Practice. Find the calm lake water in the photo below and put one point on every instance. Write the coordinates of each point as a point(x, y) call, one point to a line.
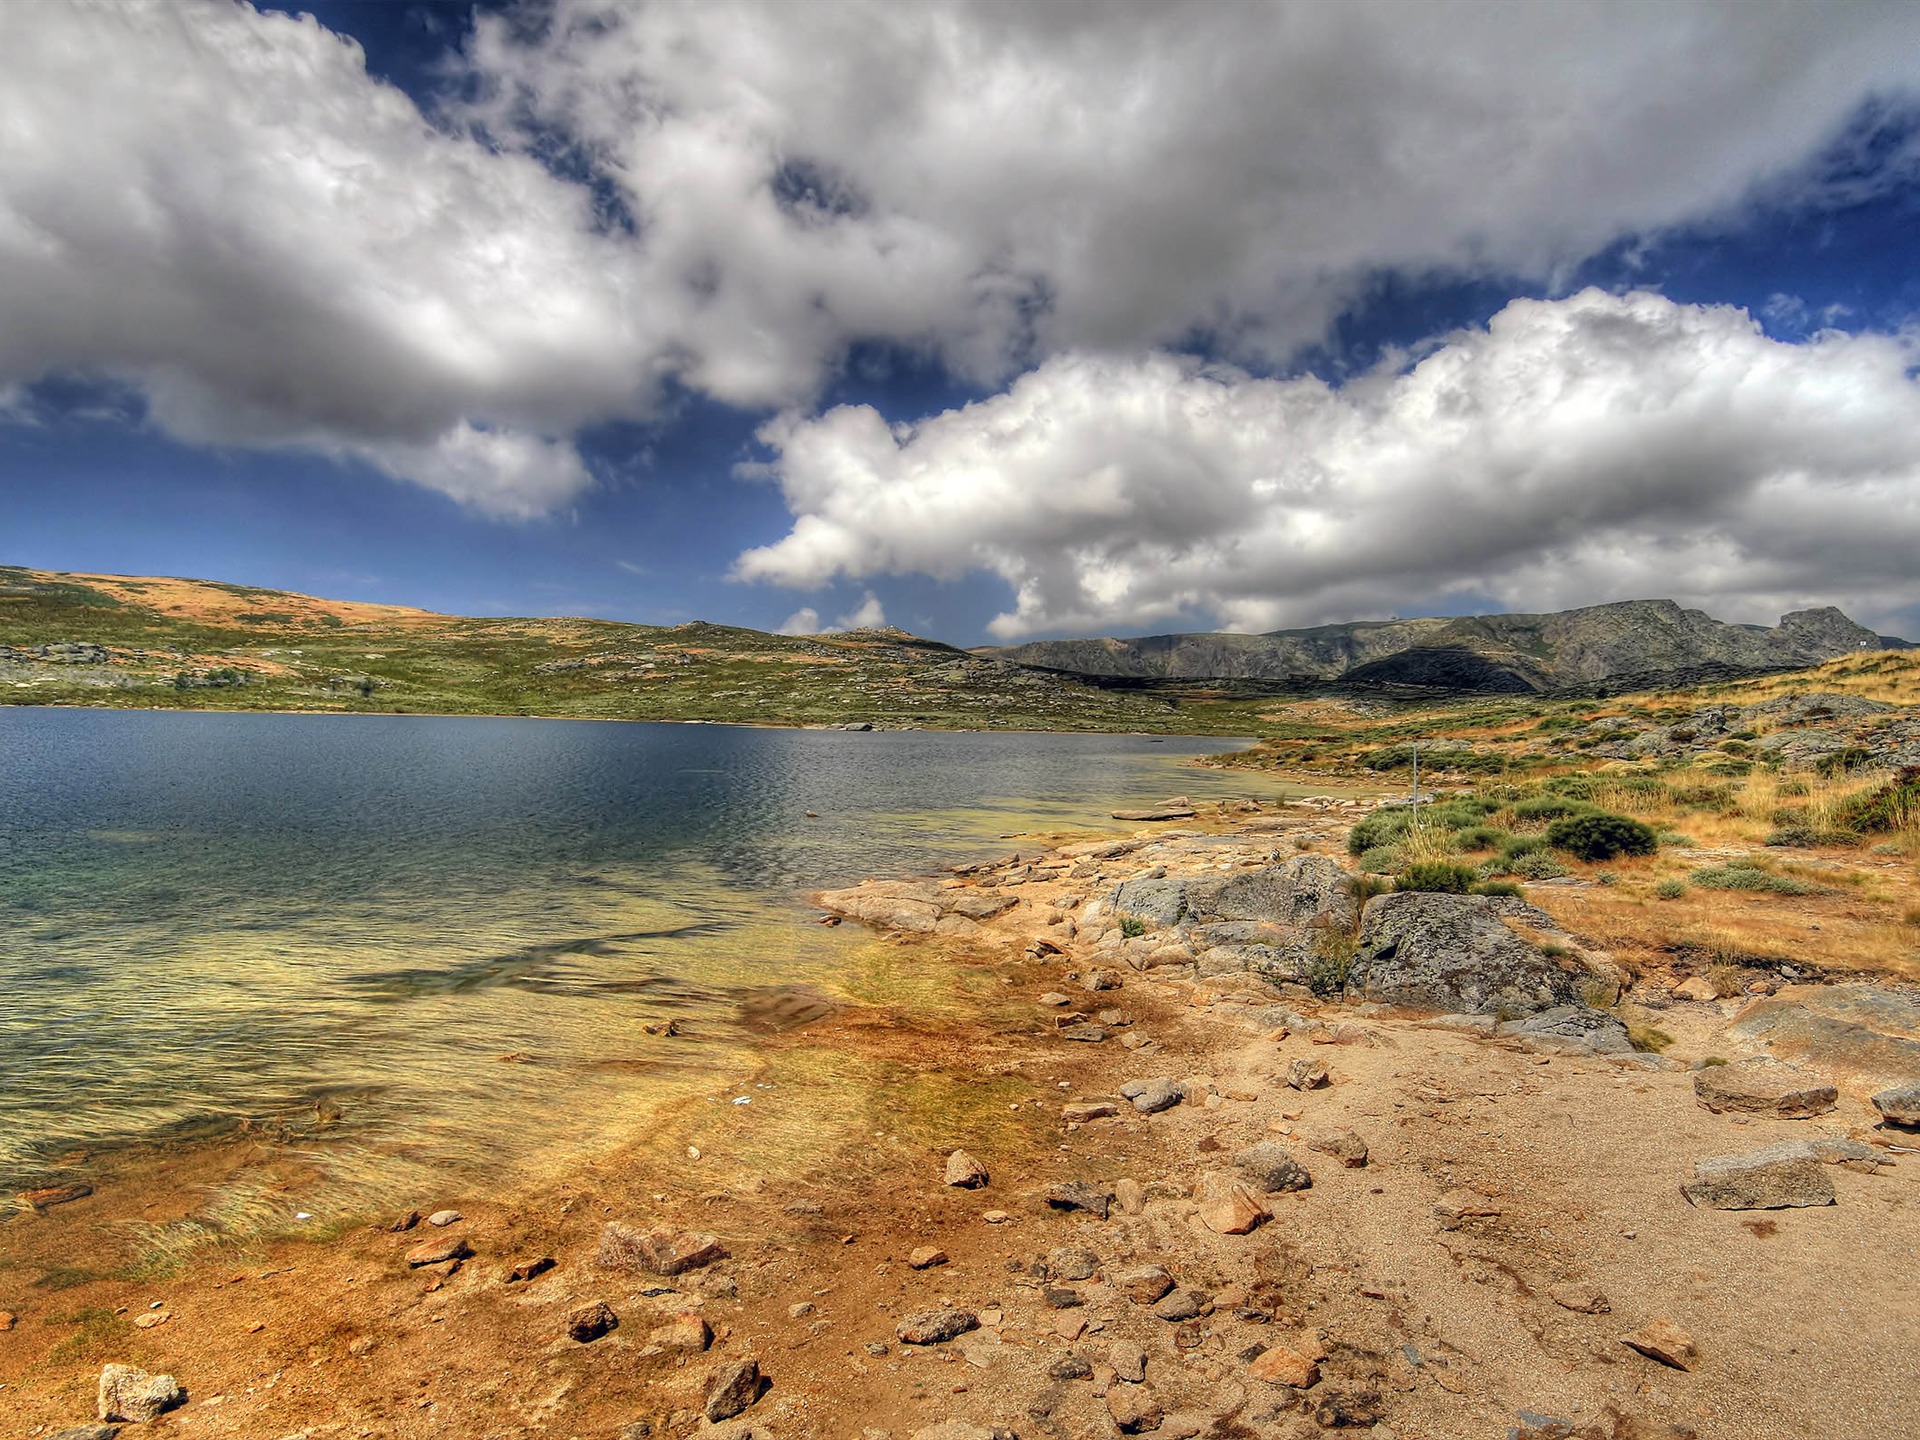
point(432, 933)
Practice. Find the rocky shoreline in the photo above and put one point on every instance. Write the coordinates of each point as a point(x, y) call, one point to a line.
point(1217, 1145)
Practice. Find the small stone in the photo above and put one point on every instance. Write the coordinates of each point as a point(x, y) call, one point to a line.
point(1343, 1409)
point(152, 1318)
point(1054, 997)
point(1114, 1019)
point(130, 1393)
point(637, 1430)
point(1660, 1339)
point(1150, 1097)
point(1077, 1195)
point(1179, 1305)
point(995, 1217)
point(406, 1221)
point(1227, 1206)
point(931, 1327)
point(439, 1250)
point(1272, 1169)
point(926, 1257)
point(1079, 1112)
point(1530, 1425)
point(444, 1218)
point(1282, 1365)
point(54, 1195)
point(657, 1252)
point(1130, 1196)
point(1697, 987)
point(1072, 1262)
point(1306, 1074)
point(1778, 1177)
point(1100, 980)
point(1461, 1204)
point(1763, 1087)
point(1061, 1298)
point(965, 1171)
point(688, 1330)
point(1134, 1408)
point(877, 1348)
point(524, 1270)
point(86, 1432)
point(1580, 1297)
point(1089, 1034)
point(1070, 1367)
point(8, 1320)
point(1145, 1285)
point(800, 1311)
point(590, 1322)
point(1346, 1146)
point(1899, 1106)
point(731, 1389)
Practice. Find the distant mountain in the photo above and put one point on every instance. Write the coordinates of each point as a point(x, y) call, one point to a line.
point(1607, 646)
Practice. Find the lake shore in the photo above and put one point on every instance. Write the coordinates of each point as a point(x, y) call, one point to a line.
point(1420, 1292)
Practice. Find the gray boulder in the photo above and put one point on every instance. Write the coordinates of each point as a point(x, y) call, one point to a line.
point(1306, 889)
point(1271, 1168)
point(129, 1393)
point(1763, 1087)
point(1572, 1029)
point(1900, 1105)
point(1456, 954)
point(1779, 1177)
point(1150, 1097)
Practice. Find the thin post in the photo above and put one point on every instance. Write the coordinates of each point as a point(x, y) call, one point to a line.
point(1416, 782)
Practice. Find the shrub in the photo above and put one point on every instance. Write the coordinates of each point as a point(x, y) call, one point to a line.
point(1890, 807)
point(1749, 877)
point(1551, 807)
point(1648, 1038)
point(1536, 865)
point(1607, 877)
point(1670, 888)
point(1483, 837)
point(1331, 964)
point(1675, 840)
point(1437, 876)
point(1523, 845)
point(1378, 828)
point(1365, 888)
point(1807, 837)
point(1602, 836)
point(1132, 926)
point(1496, 887)
point(1841, 761)
point(1383, 860)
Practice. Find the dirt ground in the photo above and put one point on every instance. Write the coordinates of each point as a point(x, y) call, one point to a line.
point(1418, 1323)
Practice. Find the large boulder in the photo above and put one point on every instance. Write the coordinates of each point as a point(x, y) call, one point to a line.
point(1778, 1177)
point(1572, 1030)
point(1867, 1035)
point(1764, 1087)
point(1303, 890)
point(891, 904)
point(1458, 954)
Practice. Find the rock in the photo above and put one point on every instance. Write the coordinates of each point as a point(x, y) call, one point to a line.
point(1134, 1408)
point(1456, 954)
point(1145, 1285)
point(1696, 987)
point(1275, 1171)
point(524, 1270)
point(86, 1432)
point(656, 1252)
point(1227, 1206)
point(1281, 1365)
point(1079, 1112)
point(1580, 1297)
point(1660, 1339)
point(1054, 997)
point(1078, 1195)
point(130, 1393)
point(1346, 1146)
point(1070, 1367)
point(995, 1217)
point(931, 1327)
point(965, 1171)
point(1150, 1097)
point(890, 904)
point(688, 1330)
point(1158, 812)
point(1336, 1409)
point(637, 1430)
point(1179, 1305)
point(444, 1218)
point(439, 1250)
point(8, 1320)
point(1763, 1087)
point(926, 1257)
point(1089, 1034)
point(1058, 1297)
point(951, 1430)
point(1899, 1106)
point(1838, 1150)
point(1129, 1361)
point(590, 1322)
point(731, 1389)
point(1307, 1074)
point(1778, 1177)
point(1072, 1262)
point(51, 1195)
point(1130, 1196)
point(1576, 1029)
point(973, 905)
point(1461, 1204)
point(1531, 1425)
point(1097, 980)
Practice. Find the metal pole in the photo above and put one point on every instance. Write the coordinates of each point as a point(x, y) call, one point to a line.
point(1416, 782)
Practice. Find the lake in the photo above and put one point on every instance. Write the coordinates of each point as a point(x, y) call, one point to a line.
point(426, 944)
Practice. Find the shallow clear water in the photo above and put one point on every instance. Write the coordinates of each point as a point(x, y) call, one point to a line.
point(450, 932)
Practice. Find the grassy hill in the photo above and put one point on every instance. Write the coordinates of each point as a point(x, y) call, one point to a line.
point(148, 641)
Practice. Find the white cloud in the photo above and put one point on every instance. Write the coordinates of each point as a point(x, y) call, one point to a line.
point(1577, 450)
point(804, 621)
point(869, 614)
point(221, 209)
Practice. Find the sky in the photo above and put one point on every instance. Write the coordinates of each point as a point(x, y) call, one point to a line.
point(989, 320)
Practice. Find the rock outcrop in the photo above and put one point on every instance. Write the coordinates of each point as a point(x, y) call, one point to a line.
point(1465, 954)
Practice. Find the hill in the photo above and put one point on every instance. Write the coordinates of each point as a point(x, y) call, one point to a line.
point(151, 641)
point(1631, 644)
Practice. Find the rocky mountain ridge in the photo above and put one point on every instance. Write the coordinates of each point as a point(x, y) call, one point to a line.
point(1628, 642)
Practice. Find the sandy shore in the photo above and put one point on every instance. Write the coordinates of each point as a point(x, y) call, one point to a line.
point(1517, 1214)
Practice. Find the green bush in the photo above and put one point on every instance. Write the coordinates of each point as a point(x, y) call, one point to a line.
point(1377, 828)
point(1536, 865)
point(1551, 807)
point(1749, 877)
point(1331, 965)
point(1807, 837)
point(1670, 889)
point(1889, 808)
point(1497, 887)
point(1132, 926)
point(1522, 845)
point(1676, 840)
point(1436, 876)
point(1483, 837)
point(1383, 859)
point(1602, 836)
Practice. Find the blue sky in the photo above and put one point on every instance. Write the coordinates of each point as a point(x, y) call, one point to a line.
point(1103, 319)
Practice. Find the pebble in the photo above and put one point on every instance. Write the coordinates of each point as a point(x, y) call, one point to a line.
point(1134, 1408)
point(731, 1389)
point(1283, 1365)
point(1145, 1285)
point(688, 1330)
point(1072, 1262)
point(439, 1251)
point(1150, 1097)
point(445, 1217)
point(965, 1171)
point(1179, 1305)
point(590, 1322)
point(926, 1257)
point(931, 1327)
point(1661, 1339)
point(1129, 1361)
point(1346, 1146)
point(524, 1270)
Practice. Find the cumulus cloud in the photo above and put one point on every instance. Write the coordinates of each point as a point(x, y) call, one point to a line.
point(223, 210)
point(869, 614)
point(1572, 451)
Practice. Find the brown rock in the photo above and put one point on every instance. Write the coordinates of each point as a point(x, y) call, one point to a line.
point(1660, 1339)
point(130, 1393)
point(1129, 1361)
point(1579, 1296)
point(1697, 987)
point(926, 1257)
point(688, 1330)
point(439, 1250)
point(530, 1269)
point(1179, 1305)
point(1079, 1112)
point(54, 1195)
point(1306, 1074)
point(1227, 1206)
point(1763, 1087)
point(1346, 1146)
point(590, 1322)
point(8, 1320)
point(731, 1389)
point(1090, 1034)
point(1777, 1177)
point(1134, 1408)
point(657, 1252)
point(965, 1171)
point(932, 1327)
point(1281, 1365)
point(1460, 1204)
point(1145, 1285)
